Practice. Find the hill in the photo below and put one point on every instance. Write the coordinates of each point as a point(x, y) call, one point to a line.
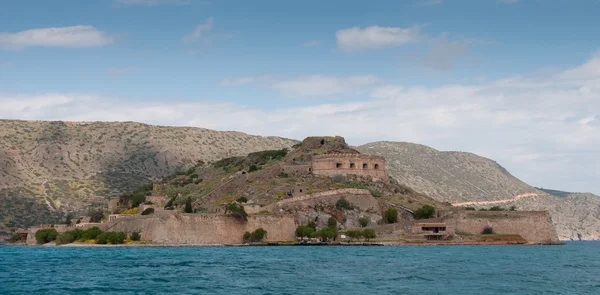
point(467, 179)
point(50, 168)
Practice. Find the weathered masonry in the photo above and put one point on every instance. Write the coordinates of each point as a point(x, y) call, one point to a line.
point(344, 164)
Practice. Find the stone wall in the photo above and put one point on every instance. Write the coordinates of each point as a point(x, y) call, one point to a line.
point(205, 229)
point(358, 197)
point(534, 226)
point(344, 164)
point(296, 169)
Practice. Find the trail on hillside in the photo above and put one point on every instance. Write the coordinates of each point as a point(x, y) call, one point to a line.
point(516, 198)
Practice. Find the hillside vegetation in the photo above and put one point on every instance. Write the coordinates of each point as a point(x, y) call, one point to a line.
point(458, 177)
point(50, 168)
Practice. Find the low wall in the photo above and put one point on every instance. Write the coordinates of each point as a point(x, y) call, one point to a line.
point(206, 229)
point(358, 197)
point(534, 226)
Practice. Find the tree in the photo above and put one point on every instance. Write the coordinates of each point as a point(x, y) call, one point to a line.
point(135, 236)
point(188, 206)
point(332, 222)
point(16, 238)
point(343, 204)
point(391, 215)
point(424, 212)
point(45, 235)
point(304, 231)
point(236, 210)
point(369, 234)
point(313, 225)
point(68, 220)
point(326, 233)
point(363, 221)
point(353, 234)
point(260, 234)
point(92, 233)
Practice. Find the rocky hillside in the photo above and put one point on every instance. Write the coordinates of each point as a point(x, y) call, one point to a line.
point(49, 168)
point(470, 180)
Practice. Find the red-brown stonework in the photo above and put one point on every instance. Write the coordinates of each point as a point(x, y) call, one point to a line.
point(344, 164)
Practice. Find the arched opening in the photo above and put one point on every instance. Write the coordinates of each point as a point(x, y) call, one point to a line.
point(338, 165)
point(352, 166)
point(322, 141)
point(300, 190)
point(365, 166)
point(376, 166)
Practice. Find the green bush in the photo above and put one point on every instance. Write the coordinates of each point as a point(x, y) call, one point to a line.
point(375, 193)
point(135, 236)
point(236, 210)
point(45, 235)
point(469, 208)
point(497, 208)
point(312, 225)
point(353, 234)
point(488, 230)
point(102, 238)
point(255, 236)
point(424, 212)
point(92, 233)
point(304, 231)
point(513, 208)
point(391, 215)
point(369, 234)
point(111, 238)
point(363, 221)
point(343, 204)
point(326, 233)
point(188, 206)
point(148, 211)
point(65, 238)
point(332, 222)
point(16, 238)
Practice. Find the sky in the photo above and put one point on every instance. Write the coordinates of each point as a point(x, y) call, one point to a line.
point(517, 81)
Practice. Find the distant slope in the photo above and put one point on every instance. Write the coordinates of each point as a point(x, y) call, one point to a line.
point(459, 177)
point(60, 166)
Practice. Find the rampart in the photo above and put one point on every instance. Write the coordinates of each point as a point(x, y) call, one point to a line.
point(534, 226)
point(344, 164)
point(205, 229)
point(357, 197)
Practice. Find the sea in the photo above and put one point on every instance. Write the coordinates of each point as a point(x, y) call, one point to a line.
point(573, 268)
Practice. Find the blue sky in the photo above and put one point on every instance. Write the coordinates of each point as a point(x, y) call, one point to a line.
point(513, 80)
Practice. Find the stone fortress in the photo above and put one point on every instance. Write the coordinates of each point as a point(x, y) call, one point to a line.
point(281, 217)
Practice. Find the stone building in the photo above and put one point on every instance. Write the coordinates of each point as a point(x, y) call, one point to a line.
point(345, 164)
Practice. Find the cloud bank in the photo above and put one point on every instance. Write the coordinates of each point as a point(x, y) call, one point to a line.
point(69, 37)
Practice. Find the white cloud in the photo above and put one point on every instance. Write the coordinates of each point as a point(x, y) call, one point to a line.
point(547, 134)
point(153, 2)
point(311, 43)
point(237, 81)
point(375, 37)
point(200, 31)
point(421, 3)
point(320, 85)
point(70, 37)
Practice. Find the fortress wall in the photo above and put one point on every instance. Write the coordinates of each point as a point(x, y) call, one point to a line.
point(296, 169)
point(265, 174)
point(533, 226)
point(327, 165)
point(358, 197)
point(229, 186)
point(205, 229)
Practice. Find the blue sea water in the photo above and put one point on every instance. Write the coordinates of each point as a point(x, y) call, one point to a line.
point(570, 269)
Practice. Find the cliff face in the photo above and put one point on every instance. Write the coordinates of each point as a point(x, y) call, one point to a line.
point(466, 178)
point(50, 168)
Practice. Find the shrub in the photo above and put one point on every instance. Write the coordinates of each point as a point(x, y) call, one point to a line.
point(132, 211)
point(16, 238)
point(304, 231)
point(148, 211)
point(135, 236)
point(375, 193)
point(391, 215)
point(369, 234)
point(513, 208)
point(45, 235)
point(236, 210)
point(65, 238)
point(92, 233)
point(111, 238)
point(312, 225)
point(354, 234)
point(488, 230)
point(332, 222)
point(343, 204)
point(255, 236)
point(253, 168)
point(497, 208)
point(469, 208)
point(326, 233)
point(424, 212)
point(363, 221)
point(188, 206)
point(102, 238)
point(242, 200)
point(169, 204)
point(283, 175)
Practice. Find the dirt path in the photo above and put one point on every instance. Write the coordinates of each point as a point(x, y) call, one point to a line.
point(516, 198)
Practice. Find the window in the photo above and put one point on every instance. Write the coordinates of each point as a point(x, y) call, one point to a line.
point(376, 166)
point(365, 166)
point(352, 165)
point(338, 165)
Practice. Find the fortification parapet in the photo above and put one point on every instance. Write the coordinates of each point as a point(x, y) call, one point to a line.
point(345, 164)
